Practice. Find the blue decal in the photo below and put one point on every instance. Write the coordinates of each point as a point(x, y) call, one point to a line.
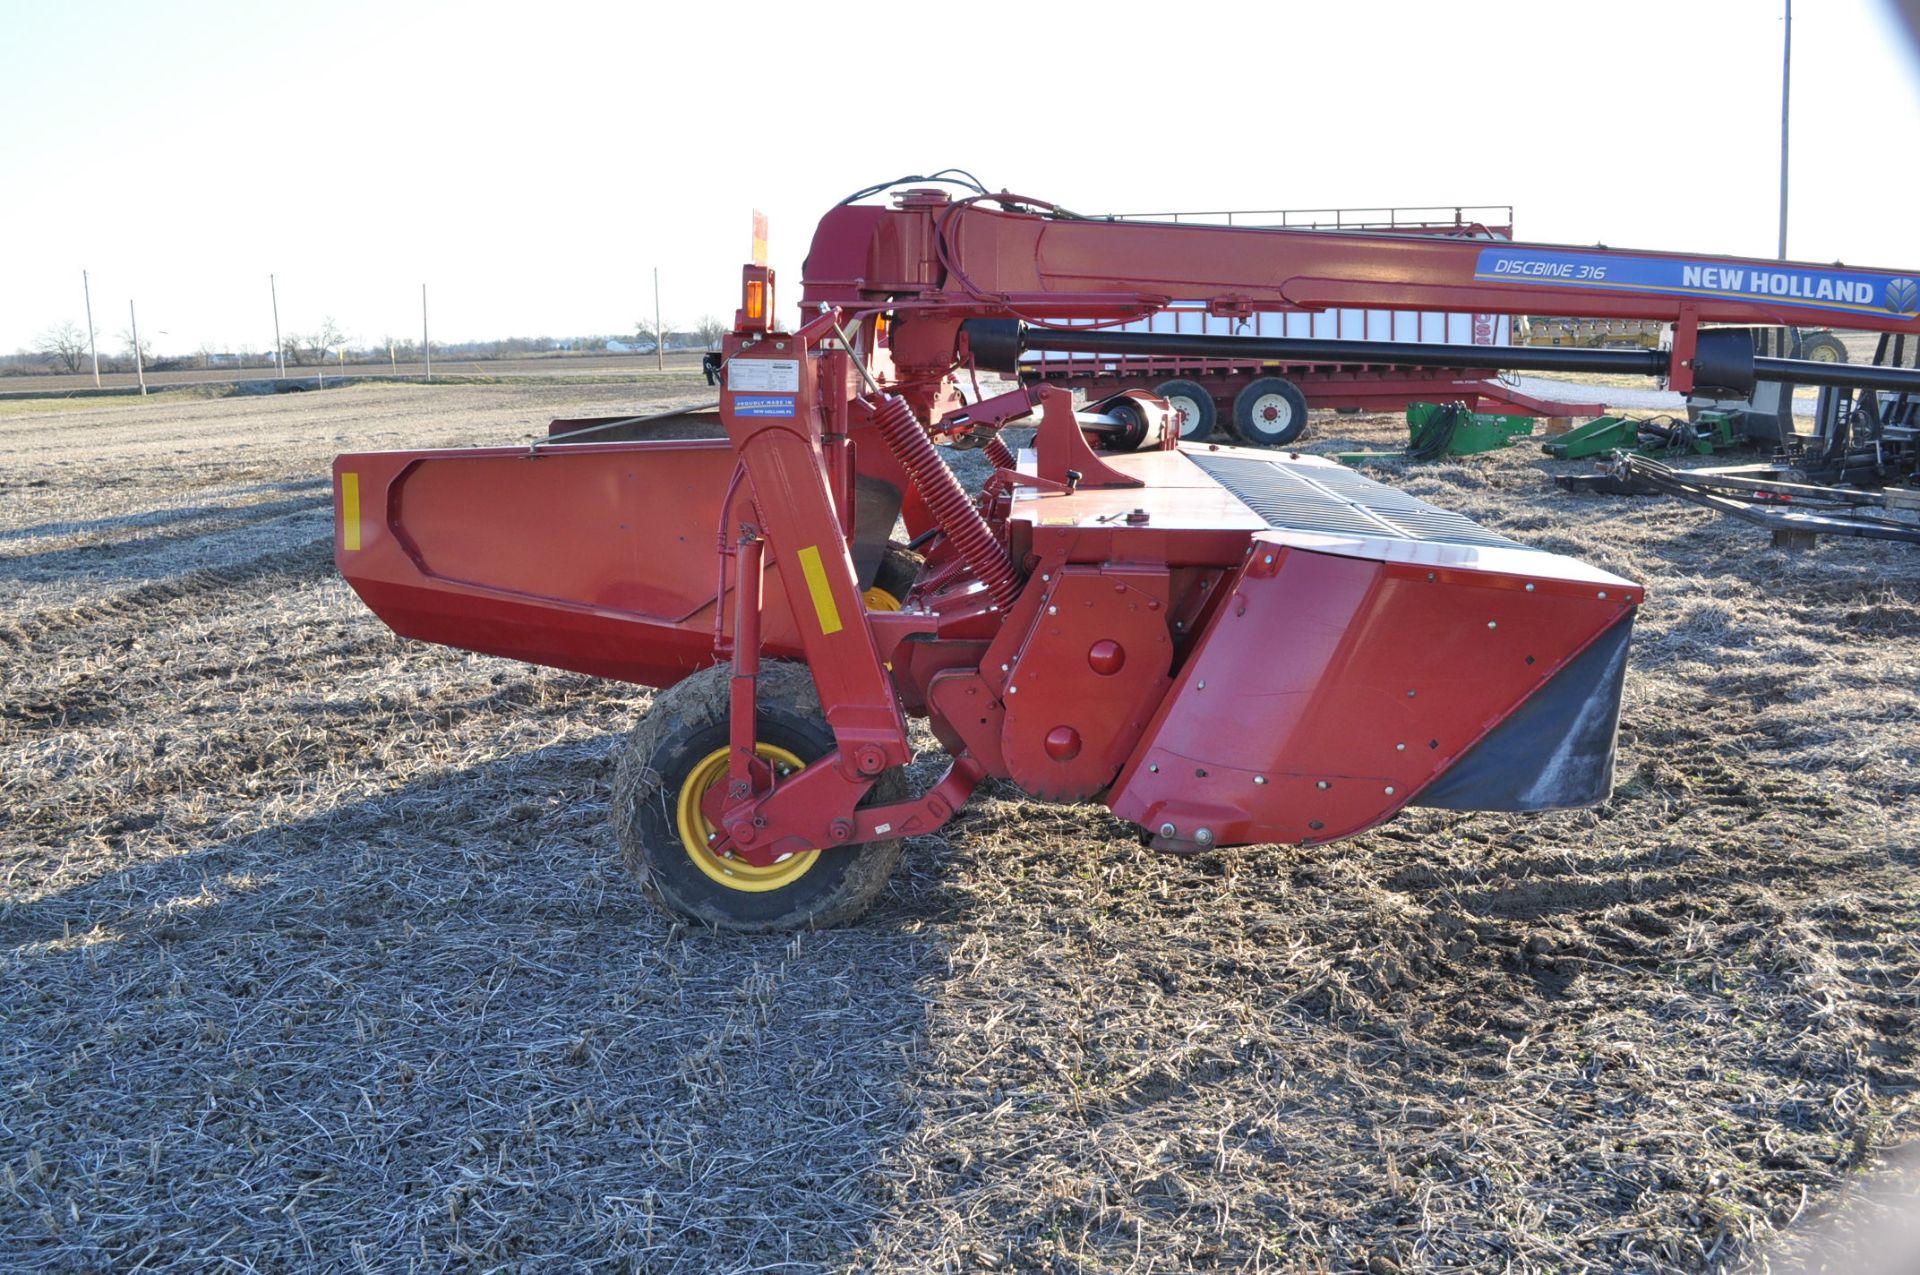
point(1746, 281)
point(763, 405)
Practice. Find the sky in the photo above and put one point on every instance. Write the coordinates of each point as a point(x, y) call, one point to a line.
point(533, 165)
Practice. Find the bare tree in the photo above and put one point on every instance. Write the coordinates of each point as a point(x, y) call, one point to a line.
point(127, 351)
point(648, 330)
point(64, 344)
point(710, 331)
point(321, 345)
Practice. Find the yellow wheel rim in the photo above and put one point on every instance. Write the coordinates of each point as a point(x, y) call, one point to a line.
point(878, 599)
point(735, 874)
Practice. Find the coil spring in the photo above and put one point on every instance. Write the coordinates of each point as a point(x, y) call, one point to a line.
point(946, 500)
point(999, 454)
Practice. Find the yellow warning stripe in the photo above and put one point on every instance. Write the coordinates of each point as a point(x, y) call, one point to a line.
point(349, 511)
point(816, 573)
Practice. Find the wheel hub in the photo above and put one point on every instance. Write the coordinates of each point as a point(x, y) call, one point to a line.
point(708, 846)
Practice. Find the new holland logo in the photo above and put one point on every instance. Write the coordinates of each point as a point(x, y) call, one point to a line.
point(1903, 296)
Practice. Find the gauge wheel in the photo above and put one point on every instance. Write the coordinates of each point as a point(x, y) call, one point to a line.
point(1270, 412)
point(1193, 409)
point(679, 752)
point(899, 568)
point(1821, 347)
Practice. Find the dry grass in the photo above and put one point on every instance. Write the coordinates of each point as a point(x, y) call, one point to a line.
point(314, 951)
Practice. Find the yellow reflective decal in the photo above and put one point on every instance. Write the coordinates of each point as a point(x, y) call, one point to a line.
point(816, 573)
point(350, 511)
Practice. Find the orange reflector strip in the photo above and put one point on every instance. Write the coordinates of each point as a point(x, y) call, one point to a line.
point(756, 300)
point(349, 511)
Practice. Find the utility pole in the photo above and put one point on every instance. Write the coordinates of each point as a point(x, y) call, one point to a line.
point(426, 345)
point(659, 333)
point(1786, 87)
point(139, 366)
point(87, 288)
point(279, 351)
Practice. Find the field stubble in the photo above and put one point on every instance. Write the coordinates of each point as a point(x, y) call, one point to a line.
point(316, 952)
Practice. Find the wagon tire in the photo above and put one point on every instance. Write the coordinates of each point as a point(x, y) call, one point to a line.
point(678, 751)
point(1192, 407)
point(1270, 412)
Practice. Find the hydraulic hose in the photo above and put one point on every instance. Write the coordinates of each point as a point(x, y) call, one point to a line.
point(946, 500)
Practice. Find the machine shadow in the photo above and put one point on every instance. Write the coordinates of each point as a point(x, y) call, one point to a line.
point(438, 1020)
point(133, 557)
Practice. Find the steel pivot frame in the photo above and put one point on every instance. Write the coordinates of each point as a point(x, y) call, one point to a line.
point(770, 405)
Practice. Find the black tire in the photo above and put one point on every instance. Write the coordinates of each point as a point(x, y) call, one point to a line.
point(1192, 406)
point(674, 743)
point(899, 568)
point(1270, 412)
point(1820, 347)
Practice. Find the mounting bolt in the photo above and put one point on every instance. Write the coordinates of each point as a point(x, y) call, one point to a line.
point(1167, 830)
point(1154, 767)
point(1529, 588)
point(1268, 559)
point(1203, 684)
point(1399, 748)
point(1323, 784)
point(1013, 690)
point(1493, 624)
point(1389, 790)
point(1259, 779)
point(1053, 610)
point(1203, 835)
point(1603, 595)
point(840, 829)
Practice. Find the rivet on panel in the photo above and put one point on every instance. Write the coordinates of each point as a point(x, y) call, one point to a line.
point(1259, 779)
point(1053, 610)
point(1389, 790)
point(1323, 784)
point(1529, 588)
point(1399, 748)
point(1154, 767)
point(1603, 595)
point(1493, 624)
